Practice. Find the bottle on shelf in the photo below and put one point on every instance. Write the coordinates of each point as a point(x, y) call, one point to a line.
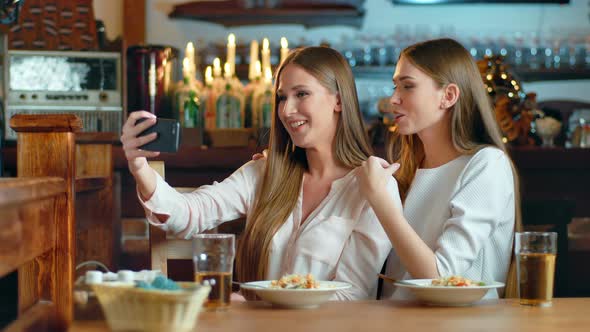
point(230, 104)
point(262, 102)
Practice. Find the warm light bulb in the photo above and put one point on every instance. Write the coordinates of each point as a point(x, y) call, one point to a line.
point(257, 69)
point(227, 69)
point(267, 75)
point(216, 67)
point(208, 75)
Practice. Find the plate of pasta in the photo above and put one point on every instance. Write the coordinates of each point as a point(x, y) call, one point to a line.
point(449, 291)
point(295, 291)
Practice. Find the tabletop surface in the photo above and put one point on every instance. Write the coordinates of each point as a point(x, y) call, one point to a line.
point(567, 314)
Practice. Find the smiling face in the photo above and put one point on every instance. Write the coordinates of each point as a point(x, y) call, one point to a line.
point(416, 99)
point(308, 110)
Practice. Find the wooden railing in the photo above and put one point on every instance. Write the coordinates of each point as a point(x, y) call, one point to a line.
point(60, 211)
point(90, 172)
point(37, 227)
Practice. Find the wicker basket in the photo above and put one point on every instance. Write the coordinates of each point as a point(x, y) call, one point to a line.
point(128, 308)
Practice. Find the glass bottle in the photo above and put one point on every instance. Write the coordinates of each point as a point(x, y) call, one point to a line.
point(187, 104)
point(229, 109)
point(192, 111)
point(262, 106)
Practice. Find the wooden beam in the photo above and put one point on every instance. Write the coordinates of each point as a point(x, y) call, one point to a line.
point(26, 206)
point(134, 29)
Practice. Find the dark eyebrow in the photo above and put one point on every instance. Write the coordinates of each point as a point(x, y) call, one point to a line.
point(402, 78)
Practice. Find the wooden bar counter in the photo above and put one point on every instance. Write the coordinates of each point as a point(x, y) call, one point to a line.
point(544, 172)
point(566, 314)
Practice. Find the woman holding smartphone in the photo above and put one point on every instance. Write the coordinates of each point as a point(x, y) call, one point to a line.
point(304, 213)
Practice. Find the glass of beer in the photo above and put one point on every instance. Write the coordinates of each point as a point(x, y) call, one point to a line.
point(213, 258)
point(535, 266)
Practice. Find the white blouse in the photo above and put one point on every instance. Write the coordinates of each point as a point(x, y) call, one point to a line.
point(464, 211)
point(341, 239)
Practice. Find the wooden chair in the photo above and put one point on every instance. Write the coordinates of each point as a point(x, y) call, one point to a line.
point(37, 228)
point(164, 247)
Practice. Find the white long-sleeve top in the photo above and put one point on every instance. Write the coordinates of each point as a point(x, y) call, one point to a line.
point(341, 239)
point(464, 211)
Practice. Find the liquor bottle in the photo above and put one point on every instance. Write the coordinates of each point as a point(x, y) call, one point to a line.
point(262, 107)
point(229, 109)
point(208, 99)
point(187, 104)
point(192, 111)
point(230, 104)
point(262, 102)
point(250, 120)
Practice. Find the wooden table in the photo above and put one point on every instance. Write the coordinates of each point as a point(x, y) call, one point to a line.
point(566, 314)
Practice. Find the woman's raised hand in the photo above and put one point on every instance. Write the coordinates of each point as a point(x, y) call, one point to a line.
point(136, 158)
point(373, 174)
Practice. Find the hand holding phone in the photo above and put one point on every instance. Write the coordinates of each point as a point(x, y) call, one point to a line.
point(168, 135)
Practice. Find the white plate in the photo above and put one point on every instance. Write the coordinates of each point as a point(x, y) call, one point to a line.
point(295, 298)
point(447, 295)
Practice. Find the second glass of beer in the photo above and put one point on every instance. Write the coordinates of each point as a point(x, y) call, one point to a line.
point(213, 258)
point(535, 265)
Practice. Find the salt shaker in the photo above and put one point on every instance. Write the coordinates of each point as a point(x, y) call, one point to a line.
point(86, 304)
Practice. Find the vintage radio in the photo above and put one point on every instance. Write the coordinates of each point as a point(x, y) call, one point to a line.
point(87, 84)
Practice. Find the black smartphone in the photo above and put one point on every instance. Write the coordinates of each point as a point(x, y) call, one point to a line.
point(168, 139)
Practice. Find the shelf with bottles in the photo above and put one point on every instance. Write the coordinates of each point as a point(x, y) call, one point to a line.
point(555, 55)
point(236, 15)
point(524, 74)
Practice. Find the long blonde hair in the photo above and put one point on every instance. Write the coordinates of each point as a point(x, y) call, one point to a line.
point(280, 185)
point(473, 124)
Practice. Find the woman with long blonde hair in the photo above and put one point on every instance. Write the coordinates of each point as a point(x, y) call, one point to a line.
point(304, 213)
point(458, 184)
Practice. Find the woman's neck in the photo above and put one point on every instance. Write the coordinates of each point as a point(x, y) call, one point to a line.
point(323, 165)
point(438, 144)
